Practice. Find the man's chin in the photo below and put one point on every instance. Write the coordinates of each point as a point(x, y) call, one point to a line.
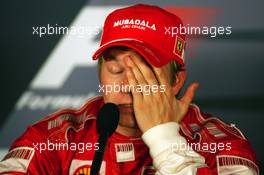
point(126, 109)
point(127, 124)
point(131, 125)
point(127, 119)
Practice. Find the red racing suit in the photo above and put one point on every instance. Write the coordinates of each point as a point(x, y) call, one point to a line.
point(65, 141)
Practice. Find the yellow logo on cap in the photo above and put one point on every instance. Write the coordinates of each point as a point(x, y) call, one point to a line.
point(179, 45)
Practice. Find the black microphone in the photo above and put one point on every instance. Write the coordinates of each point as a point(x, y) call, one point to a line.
point(106, 124)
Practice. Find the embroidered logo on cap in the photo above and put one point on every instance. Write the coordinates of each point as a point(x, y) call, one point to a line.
point(179, 47)
point(124, 152)
point(134, 23)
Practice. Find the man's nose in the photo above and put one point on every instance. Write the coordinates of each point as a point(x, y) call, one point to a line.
point(124, 77)
point(125, 81)
point(125, 69)
point(124, 84)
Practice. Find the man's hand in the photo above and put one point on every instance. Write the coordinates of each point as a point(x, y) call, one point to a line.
point(157, 107)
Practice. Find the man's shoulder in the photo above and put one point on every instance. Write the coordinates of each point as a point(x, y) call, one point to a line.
point(217, 140)
point(207, 125)
point(55, 127)
point(64, 119)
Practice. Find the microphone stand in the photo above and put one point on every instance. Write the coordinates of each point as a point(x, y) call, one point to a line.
point(99, 154)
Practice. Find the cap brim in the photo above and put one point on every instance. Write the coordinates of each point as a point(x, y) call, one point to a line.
point(153, 57)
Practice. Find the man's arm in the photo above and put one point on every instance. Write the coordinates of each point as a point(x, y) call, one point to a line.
point(163, 141)
point(158, 116)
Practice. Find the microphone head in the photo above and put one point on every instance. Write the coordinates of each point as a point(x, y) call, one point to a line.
point(107, 120)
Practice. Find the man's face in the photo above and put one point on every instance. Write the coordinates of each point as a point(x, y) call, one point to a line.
point(113, 72)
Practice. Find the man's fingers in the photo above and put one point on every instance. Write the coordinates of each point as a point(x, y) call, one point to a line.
point(189, 94)
point(133, 83)
point(161, 75)
point(145, 70)
point(162, 78)
point(138, 75)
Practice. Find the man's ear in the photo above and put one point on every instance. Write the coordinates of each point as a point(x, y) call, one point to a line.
point(179, 82)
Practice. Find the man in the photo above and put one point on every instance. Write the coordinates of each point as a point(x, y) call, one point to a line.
point(157, 132)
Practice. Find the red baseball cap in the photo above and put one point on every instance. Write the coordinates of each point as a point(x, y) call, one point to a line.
point(148, 30)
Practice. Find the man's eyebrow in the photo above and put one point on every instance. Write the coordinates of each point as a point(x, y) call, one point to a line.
point(108, 55)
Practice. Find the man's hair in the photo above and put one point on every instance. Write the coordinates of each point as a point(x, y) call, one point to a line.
point(174, 66)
